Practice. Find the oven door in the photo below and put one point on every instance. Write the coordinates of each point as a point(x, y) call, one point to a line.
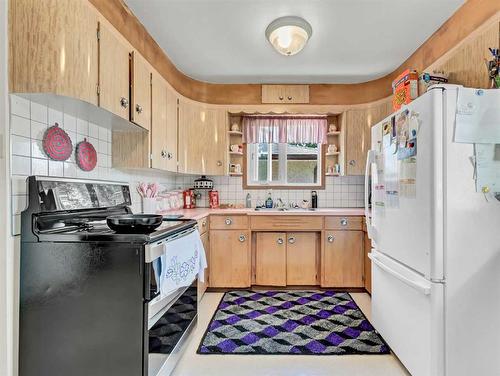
point(170, 327)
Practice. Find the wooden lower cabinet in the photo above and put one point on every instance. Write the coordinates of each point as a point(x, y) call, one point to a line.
point(271, 259)
point(230, 259)
point(302, 251)
point(342, 259)
point(286, 258)
point(202, 286)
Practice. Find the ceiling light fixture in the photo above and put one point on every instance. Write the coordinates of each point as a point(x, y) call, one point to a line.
point(288, 35)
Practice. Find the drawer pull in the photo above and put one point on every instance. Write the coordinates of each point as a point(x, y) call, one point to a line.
point(204, 224)
point(330, 238)
point(124, 102)
point(343, 222)
point(291, 240)
point(138, 108)
point(280, 241)
point(228, 221)
point(242, 238)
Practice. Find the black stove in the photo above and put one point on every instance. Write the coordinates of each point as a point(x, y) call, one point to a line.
point(87, 293)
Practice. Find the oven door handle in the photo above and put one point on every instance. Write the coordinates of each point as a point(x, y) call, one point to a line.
point(155, 250)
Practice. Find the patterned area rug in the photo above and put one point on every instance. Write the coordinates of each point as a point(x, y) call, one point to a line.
point(290, 322)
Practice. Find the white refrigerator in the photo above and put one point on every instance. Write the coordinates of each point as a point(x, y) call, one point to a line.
point(434, 223)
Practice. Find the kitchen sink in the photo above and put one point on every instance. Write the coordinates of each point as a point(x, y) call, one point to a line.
point(286, 209)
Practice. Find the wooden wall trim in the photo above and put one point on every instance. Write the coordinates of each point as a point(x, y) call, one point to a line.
point(464, 21)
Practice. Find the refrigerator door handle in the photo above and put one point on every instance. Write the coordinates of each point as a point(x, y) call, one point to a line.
point(426, 290)
point(370, 158)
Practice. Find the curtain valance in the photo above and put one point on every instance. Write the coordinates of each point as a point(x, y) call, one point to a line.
point(284, 129)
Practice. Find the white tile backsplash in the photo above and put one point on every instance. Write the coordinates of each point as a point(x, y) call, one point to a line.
point(339, 191)
point(39, 112)
point(20, 126)
point(21, 145)
point(20, 165)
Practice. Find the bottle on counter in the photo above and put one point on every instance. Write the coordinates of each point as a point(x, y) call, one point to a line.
point(269, 201)
point(248, 201)
point(314, 199)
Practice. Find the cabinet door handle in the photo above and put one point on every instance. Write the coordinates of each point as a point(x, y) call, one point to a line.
point(352, 162)
point(281, 97)
point(343, 222)
point(291, 240)
point(169, 155)
point(219, 163)
point(330, 238)
point(228, 221)
point(163, 154)
point(124, 102)
point(242, 238)
point(204, 224)
point(280, 241)
point(290, 98)
point(138, 108)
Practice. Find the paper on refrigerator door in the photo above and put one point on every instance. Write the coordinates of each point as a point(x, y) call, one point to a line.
point(487, 159)
point(378, 193)
point(391, 178)
point(478, 116)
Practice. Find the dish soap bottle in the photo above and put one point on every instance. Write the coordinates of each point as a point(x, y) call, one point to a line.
point(314, 199)
point(269, 201)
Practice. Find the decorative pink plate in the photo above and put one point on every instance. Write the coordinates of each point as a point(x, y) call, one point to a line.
point(57, 144)
point(86, 156)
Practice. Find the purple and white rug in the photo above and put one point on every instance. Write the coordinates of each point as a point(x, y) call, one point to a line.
point(290, 322)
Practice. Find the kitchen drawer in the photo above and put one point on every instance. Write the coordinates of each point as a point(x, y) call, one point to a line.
point(228, 222)
point(286, 223)
point(203, 225)
point(344, 223)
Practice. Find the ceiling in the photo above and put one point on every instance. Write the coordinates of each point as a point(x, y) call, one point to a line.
point(223, 41)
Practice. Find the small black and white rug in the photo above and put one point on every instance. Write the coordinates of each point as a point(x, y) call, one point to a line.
point(290, 322)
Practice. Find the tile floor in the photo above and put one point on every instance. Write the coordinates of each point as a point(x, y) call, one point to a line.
point(192, 364)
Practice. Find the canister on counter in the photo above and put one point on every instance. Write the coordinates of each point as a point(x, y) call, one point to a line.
point(213, 199)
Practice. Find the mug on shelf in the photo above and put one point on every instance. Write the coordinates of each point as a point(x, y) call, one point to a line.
point(235, 148)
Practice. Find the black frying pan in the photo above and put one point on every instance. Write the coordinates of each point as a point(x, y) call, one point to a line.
point(134, 223)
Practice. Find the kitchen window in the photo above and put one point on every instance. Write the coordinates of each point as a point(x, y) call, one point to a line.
point(284, 164)
point(284, 150)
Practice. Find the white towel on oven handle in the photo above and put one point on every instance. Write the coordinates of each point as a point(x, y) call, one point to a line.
point(183, 258)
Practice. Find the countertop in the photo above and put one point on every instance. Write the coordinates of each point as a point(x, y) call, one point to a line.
point(199, 213)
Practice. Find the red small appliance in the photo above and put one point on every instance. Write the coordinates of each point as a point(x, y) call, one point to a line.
point(213, 199)
point(188, 196)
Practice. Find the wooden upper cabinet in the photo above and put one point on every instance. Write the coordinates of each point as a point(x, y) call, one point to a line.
point(163, 124)
point(285, 94)
point(270, 259)
point(358, 124)
point(172, 122)
point(342, 259)
point(114, 72)
point(140, 90)
point(202, 139)
point(158, 122)
point(302, 255)
point(53, 48)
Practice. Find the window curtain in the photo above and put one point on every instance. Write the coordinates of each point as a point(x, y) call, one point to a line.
point(284, 129)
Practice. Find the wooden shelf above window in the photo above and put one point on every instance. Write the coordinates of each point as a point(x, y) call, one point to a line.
point(336, 133)
point(235, 133)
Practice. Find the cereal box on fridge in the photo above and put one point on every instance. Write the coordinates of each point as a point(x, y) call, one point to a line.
point(404, 88)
